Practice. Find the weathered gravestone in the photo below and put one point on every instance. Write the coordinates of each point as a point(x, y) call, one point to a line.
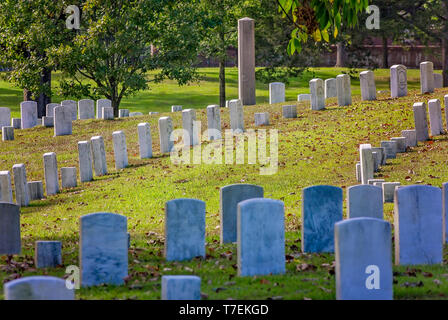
point(418, 224)
point(62, 121)
point(135, 114)
point(229, 197)
point(379, 184)
point(304, 97)
point(48, 254)
point(16, 123)
point(191, 134)
point(98, 155)
point(85, 161)
point(435, 117)
point(289, 112)
point(372, 182)
point(35, 190)
point(49, 109)
point(317, 94)
point(28, 112)
point(343, 90)
point(377, 159)
point(181, 288)
point(261, 119)
point(51, 173)
point(261, 237)
point(100, 104)
point(38, 288)
point(103, 249)
point(398, 81)
point(358, 172)
point(363, 254)
point(10, 242)
point(421, 122)
point(72, 106)
point(438, 80)
point(20, 184)
point(401, 144)
point(365, 201)
point(165, 130)
point(144, 140)
point(48, 122)
point(445, 98)
point(330, 88)
point(389, 190)
point(5, 117)
point(367, 162)
point(7, 133)
point(176, 108)
point(276, 92)
point(236, 116)
point(321, 209)
point(86, 109)
point(123, 113)
point(368, 87)
point(5, 187)
point(68, 177)
point(120, 150)
point(445, 211)
point(246, 61)
point(411, 137)
point(184, 229)
point(214, 122)
point(107, 113)
point(426, 77)
point(390, 148)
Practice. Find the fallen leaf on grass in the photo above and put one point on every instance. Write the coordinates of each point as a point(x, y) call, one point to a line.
point(306, 267)
point(325, 289)
point(413, 284)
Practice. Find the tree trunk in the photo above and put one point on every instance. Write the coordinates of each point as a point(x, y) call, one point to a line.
point(445, 61)
point(115, 105)
point(445, 46)
point(42, 100)
point(385, 53)
point(341, 57)
point(27, 95)
point(222, 83)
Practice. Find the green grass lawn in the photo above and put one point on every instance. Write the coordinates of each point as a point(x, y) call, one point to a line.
point(319, 147)
point(162, 96)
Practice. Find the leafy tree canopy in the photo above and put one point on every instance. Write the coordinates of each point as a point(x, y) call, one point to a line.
point(121, 40)
point(319, 19)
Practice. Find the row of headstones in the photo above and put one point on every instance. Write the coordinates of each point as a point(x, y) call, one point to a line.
point(370, 163)
point(28, 191)
point(93, 153)
point(63, 122)
point(340, 86)
point(59, 116)
point(51, 288)
point(372, 158)
point(364, 240)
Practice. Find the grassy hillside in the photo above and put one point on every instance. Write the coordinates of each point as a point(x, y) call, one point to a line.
point(316, 148)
